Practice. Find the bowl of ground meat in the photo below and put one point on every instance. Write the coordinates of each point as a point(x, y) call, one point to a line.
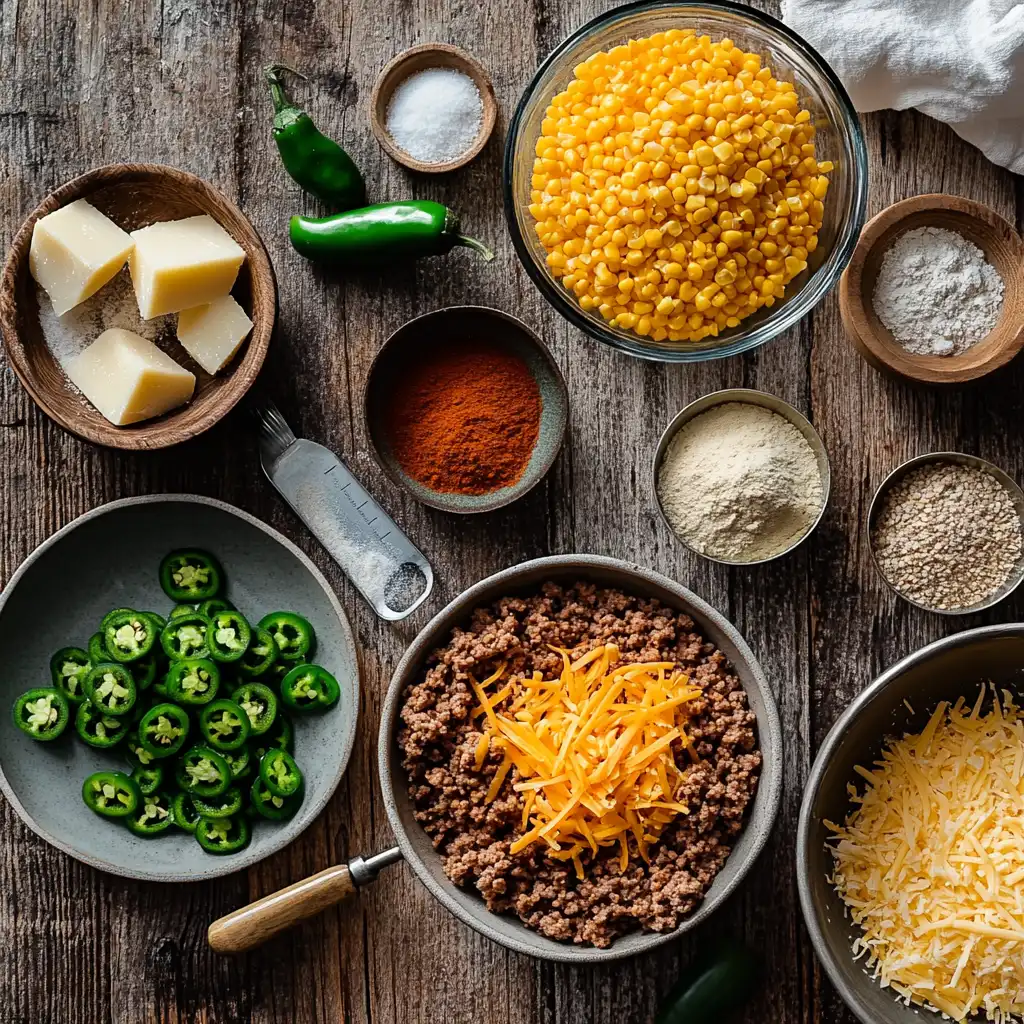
point(459, 808)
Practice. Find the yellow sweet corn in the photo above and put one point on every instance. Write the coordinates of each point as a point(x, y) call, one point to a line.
point(675, 186)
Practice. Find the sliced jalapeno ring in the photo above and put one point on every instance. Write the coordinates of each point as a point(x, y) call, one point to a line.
point(190, 575)
point(111, 615)
point(223, 835)
point(269, 805)
point(97, 649)
point(153, 815)
point(138, 756)
point(280, 774)
point(309, 688)
point(228, 636)
point(293, 635)
point(203, 772)
point(149, 780)
point(185, 637)
point(180, 609)
point(111, 794)
point(259, 702)
point(42, 713)
point(164, 729)
point(193, 681)
point(144, 671)
point(184, 812)
point(224, 725)
point(260, 656)
point(239, 761)
point(69, 667)
point(111, 688)
point(98, 729)
point(281, 736)
point(214, 605)
point(157, 619)
point(128, 636)
point(226, 805)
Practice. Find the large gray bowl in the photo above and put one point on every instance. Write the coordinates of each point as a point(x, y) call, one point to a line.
point(106, 559)
point(527, 577)
point(943, 670)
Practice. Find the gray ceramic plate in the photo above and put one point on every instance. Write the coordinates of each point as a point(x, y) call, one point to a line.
point(109, 558)
point(527, 578)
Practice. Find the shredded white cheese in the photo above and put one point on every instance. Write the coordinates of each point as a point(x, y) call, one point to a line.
point(931, 860)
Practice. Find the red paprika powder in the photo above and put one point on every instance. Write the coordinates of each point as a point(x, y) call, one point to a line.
point(465, 418)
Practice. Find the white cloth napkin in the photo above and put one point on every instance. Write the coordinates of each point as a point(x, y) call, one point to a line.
point(960, 61)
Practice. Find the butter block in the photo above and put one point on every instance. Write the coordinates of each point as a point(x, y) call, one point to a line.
point(178, 264)
point(75, 251)
point(128, 378)
point(213, 333)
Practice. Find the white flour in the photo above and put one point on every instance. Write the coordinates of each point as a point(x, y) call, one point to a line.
point(741, 483)
point(937, 293)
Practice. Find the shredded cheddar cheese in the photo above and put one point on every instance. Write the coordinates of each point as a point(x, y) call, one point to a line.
point(931, 860)
point(592, 750)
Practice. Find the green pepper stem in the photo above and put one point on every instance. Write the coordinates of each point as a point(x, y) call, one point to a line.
point(272, 73)
point(476, 245)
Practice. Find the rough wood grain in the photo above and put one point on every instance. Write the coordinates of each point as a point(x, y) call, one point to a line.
point(181, 82)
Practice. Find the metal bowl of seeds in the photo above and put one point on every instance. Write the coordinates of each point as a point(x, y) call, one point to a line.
point(946, 533)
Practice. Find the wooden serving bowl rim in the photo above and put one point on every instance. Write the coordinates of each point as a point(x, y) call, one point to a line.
point(419, 58)
point(189, 420)
point(1003, 248)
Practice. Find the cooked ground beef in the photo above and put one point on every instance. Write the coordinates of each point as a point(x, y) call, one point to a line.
point(438, 739)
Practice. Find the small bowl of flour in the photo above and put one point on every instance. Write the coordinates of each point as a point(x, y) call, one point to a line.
point(741, 477)
point(935, 290)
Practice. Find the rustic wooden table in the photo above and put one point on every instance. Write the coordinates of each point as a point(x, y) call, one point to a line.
point(180, 82)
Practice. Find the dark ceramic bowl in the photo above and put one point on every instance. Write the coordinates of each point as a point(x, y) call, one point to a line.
point(457, 323)
point(944, 670)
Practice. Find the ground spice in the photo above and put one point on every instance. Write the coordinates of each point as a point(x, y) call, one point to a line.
point(466, 418)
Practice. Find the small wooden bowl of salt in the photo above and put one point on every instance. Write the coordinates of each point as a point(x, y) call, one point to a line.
point(935, 290)
point(433, 108)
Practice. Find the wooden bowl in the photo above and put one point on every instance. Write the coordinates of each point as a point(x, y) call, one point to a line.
point(419, 58)
point(135, 195)
point(1003, 248)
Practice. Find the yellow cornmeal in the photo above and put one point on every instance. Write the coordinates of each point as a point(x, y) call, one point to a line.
point(675, 186)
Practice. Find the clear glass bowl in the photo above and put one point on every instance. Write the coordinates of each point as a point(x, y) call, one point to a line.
point(838, 138)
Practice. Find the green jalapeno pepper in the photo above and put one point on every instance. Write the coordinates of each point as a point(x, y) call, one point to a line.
point(381, 235)
point(185, 637)
point(271, 806)
point(68, 668)
point(281, 736)
point(259, 702)
point(157, 619)
point(223, 835)
point(228, 636)
point(98, 729)
point(214, 605)
point(280, 774)
point(294, 635)
point(180, 609)
point(318, 164)
point(128, 636)
point(42, 713)
point(239, 761)
point(228, 804)
point(149, 780)
point(164, 729)
point(191, 575)
point(153, 816)
point(111, 688)
point(97, 649)
point(111, 794)
point(184, 812)
point(111, 615)
point(260, 655)
point(193, 681)
point(224, 725)
point(203, 772)
point(144, 671)
point(310, 688)
point(135, 753)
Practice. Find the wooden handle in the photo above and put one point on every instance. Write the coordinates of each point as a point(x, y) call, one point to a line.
point(252, 925)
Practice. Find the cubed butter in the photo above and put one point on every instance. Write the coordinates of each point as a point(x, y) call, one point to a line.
point(213, 333)
point(75, 251)
point(178, 264)
point(128, 378)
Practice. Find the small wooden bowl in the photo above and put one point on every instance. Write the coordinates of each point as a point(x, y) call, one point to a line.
point(134, 195)
point(419, 58)
point(1003, 248)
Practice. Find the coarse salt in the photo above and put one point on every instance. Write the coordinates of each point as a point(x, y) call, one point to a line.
point(435, 115)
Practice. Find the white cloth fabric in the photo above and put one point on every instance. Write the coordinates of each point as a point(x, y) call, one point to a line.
point(961, 61)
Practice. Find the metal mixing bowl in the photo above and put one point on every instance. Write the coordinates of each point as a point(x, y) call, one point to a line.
point(415, 844)
point(944, 670)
